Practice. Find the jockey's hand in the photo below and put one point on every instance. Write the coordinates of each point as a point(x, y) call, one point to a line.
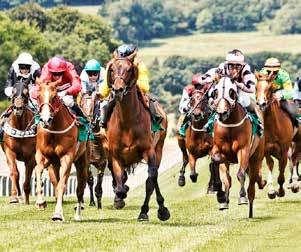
point(277, 96)
point(62, 94)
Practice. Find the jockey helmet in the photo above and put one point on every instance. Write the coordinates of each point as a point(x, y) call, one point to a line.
point(92, 65)
point(57, 64)
point(272, 64)
point(196, 79)
point(235, 57)
point(126, 50)
point(24, 59)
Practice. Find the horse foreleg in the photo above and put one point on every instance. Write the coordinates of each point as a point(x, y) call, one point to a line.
point(118, 172)
point(223, 196)
point(91, 184)
point(54, 175)
point(98, 187)
point(281, 178)
point(215, 183)
point(294, 160)
point(14, 175)
point(193, 173)
point(29, 166)
point(243, 161)
point(253, 176)
point(181, 143)
point(65, 168)
point(271, 190)
point(40, 202)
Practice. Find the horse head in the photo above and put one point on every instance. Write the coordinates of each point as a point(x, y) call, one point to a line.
point(225, 97)
point(20, 96)
point(122, 75)
point(263, 90)
point(199, 105)
point(48, 102)
point(87, 104)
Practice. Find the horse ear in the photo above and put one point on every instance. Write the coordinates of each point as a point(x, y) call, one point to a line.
point(132, 56)
point(108, 74)
point(38, 81)
point(57, 82)
point(257, 75)
point(28, 80)
point(115, 55)
point(270, 76)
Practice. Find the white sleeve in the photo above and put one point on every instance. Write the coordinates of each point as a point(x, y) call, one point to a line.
point(184, 103)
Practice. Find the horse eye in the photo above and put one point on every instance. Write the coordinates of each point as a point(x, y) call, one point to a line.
point(232, 94)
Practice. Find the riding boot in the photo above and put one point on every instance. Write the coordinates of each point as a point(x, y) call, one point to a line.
point(208, 127)
point(253, 108)
point(77, 110)
point(105, 113)
point(292, 110)
point(156, 117)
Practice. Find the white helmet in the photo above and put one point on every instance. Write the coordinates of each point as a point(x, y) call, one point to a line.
point(235, 57)
point(25, 59)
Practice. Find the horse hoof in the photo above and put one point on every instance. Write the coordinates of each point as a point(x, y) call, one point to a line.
point(92, 203)
point(181, 181)
point(272, 194)
point(14, 200)
point(262, 184)
point(223, 206)
point(163, 214)
point(99, 206)
point(143, 217)
point(281, 193)
point(221, 197)
point(119, 203)
point(121, 193)
point(41, 205)
point(58, 217)
point(194, 177)
point(243, 200)
point(295, 187)
point(126, 187)
point(78, 217)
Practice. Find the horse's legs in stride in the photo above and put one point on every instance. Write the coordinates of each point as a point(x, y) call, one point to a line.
point(181, 143)
point(66, 162)
point(243, 160)
point(271, 190)
point(118, 171)
point(54, 175)
point(91, 184)
point(98, 187)
point(14, 175)
point(192, 163)
point(29, 166)
point(226, 179)
point(294, 184)
point(281, 178)
point(82, 169)
point(253, 176)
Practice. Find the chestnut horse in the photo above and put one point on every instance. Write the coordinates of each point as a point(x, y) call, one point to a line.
point(233, 142)
point(278, 132)
point(129, 134)
point(19, 141)
point(196, 141)
point(57, 148)
point(97, 156)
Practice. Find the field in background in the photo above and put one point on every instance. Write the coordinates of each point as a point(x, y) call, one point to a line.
point(87, 9)
point(195, 224)
point(217, 44)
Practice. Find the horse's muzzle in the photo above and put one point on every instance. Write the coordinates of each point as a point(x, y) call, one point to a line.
point(263, 106)
point(118, 94)
point(46, 123)
point(224, 115)
point(18, 111)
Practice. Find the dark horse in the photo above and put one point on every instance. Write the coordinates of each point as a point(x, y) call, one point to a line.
point(19, 141)
point(129, 134)
point(57, 148)
point(233, 142)
point(196, 141)
point(97, 155)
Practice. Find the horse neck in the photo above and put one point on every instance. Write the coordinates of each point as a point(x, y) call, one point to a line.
point(21, 123)
point(272, 115)
point(129, 107)
point(62, 119)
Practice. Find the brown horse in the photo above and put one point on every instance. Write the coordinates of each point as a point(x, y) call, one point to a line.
point(278, 132)
point(129, 134)
point(97, 156)
point(19, 141)
point(196, 141)
point(233, 143)
point(57, 148)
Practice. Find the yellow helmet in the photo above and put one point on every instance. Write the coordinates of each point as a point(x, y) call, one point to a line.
point(272, 64)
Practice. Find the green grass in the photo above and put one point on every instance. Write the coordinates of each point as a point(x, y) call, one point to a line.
point(195, 224)
point(217, 44)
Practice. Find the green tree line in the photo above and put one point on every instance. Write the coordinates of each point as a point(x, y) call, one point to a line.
point(5, 4)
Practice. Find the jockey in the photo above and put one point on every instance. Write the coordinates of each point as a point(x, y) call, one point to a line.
point(123, 51)
point(297, 92)
point(91, 78)
point(282, 86)
point(57, 68)
point(24, 67)
point(236, 67)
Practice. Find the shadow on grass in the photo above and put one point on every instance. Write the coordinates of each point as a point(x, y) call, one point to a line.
point(288, 202)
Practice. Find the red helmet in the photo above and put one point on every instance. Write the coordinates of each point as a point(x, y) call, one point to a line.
point(196, 79)
point(57, 64)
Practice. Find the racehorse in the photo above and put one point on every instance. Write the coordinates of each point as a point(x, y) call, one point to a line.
point(278, 132)
point(19, 140)
point(233, 142)
point(196, 141)
point(129, 134)
point(57, 148)
point(97, 156)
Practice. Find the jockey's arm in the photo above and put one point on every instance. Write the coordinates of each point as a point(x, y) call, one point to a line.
point(184, 103)
point(286, 87)
point(248, 79)
point(75, 83)
point(143, 78)
point(9, 82)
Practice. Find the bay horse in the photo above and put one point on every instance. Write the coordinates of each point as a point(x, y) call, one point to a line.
point(129, 134)
point(19, 140)
point(233, 142)
point(57, 148)
point(98, 157)
point(278, 132)
point(196, 141)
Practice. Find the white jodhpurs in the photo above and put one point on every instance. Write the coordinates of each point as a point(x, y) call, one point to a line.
point(68, 100)
point(244, 98)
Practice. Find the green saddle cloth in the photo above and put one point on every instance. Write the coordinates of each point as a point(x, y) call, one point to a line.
point(182, 130)
point(156, 126)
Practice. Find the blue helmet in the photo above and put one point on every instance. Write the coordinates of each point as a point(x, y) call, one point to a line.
point(126, 50)
point(92, 65)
